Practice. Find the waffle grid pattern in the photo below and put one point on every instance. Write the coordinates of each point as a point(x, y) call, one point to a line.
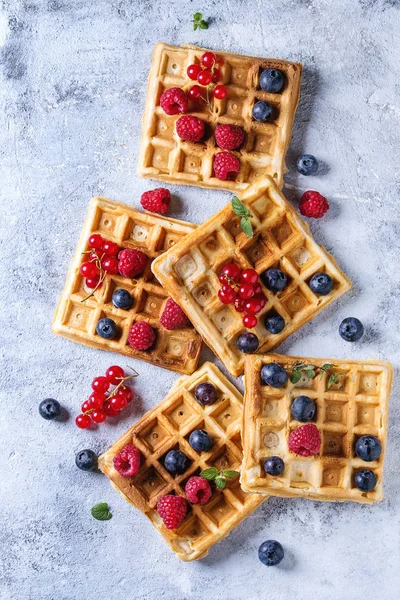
point(357, 405)
point(178, 350)
point(166, 157)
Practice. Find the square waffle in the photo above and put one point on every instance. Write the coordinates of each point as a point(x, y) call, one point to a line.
point(189, 271)
point(177, 350)
point(356, 405)
point(164, 156)
point(168, 426)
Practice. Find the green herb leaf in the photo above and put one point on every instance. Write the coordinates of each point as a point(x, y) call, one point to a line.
point(230, 474)
point(295, 377)
point(246, 226)
point(203, 24)
point(195, 26)
point(327, 366)
point(101, 512)
point(239, 208)
point(310, 373)
point(334, 378)
point(197, 16)
point(210, 473)
point(220, 482)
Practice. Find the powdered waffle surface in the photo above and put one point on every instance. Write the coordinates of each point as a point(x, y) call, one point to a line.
point(168, 426)
point(177, 350)
point(189, 271)
point(165, 156)
point(357, 405)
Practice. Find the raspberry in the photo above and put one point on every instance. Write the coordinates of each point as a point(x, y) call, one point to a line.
point(172, 510)
point(189, 128)
point(131, 262)
point(156, 200)
point(312, 204)
point(305, 440)
point(174, 101)
point(173, 316)
point(127, 461)
point(226, 166)
point(141, 335)
point(229, 137)
point(198, 490)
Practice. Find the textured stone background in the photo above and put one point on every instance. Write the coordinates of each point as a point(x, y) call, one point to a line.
point(72, 89)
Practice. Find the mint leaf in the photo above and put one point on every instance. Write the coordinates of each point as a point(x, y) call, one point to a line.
point(295, 377)
point(203, 24)
point(195, 26)
point(220, 482)
point(310, 373)
point(101, 512)
point(239, 208)
point(334, 378)
point(210, 473)
point(230, 474)
point(197, 16)
point(246, 226)
point(327, 366)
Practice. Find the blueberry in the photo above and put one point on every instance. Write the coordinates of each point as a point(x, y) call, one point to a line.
point(270, 553)
point(272, 81)
point(49, 409)
point(303, 409)
point(307, 164)
point(176, 462)
point(86, 460)
point(321, 284)
point(247, 342)
point(263, 111)
point(122, 299)
point(205, 393)
point(351, 329)
point(365, 480)
point(368, 448)
point(200, 440)
point(107, 329)
point(274, 465)
point(274, 375)
point(274, 323)
point(274, 279)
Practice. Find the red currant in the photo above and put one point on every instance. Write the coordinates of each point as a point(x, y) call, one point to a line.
point(220, 92)
point(110, 265)
point(118, 402)
point(83, 421)
point(114, 374)
point(249, 276)
point(92, 282)
point(195, 92)
point(110, 248)
point(88, 269)
point(96, 400)
point(204, 77)
point(125, 392)
point(255, 304)
point(95, 241)
point(192, 71)
point(208, 59)
point(99, 416)
point(86, 406)
point(250, 321)
point(219, 61)
point(239, 304)
point(222, 279)
point(216, 76)
point(232, 271)
point(100, 384)
point(109, 410)
point(93, 256)
point(257, 288)
point(246, 291)
point(226, 294)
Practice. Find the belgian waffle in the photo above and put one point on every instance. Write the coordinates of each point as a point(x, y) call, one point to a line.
point(356, 405)
point(189, 271)
point(164, 156)
point(168, 426)
point(177, 350)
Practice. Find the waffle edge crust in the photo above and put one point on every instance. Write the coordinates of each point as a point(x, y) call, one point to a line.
point(168, 426)
point(355, 406)
point(164, 156)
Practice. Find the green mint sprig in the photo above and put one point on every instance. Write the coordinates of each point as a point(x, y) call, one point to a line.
point(101, 512)
point(311, 371)
point(220, 477)
point(198, 21)
point(241, 211)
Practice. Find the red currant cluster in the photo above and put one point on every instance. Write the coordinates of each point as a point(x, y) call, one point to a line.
point(206, 74)
point(102, 259)
point(103, 402)
point(242, 288)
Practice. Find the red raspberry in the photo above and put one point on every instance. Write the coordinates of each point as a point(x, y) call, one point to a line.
point(127, 461)
point(156, 200)
point(198, 490)
point(174, 101)
point(172, 510)
point(141, 335)
point(226, 166)
point(131, 262)
point(312, 204)
point(189, 128)
point(305, 440)
point(229, 137)
point(173, 316)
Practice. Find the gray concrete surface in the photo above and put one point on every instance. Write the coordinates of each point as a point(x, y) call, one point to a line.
point(72, 90)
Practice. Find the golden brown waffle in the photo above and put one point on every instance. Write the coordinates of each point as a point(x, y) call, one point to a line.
point(356, 405)
point(164, 156)
point(177, 350)
point(168, 426)
point(189, 271)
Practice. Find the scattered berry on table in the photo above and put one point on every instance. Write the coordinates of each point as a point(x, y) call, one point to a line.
point(305, 440)
point(110, 265)
point(115, 374)
point(96, 400)
point(86, 460)
point(110, 248)
point(118, 403)
point(107, 329)
point(190, 128)
point(249, 321)
point(205, 393)
point(303, 409)
point(86, 406)
point(173, 316)
point(83, 421)
point(122, 299)
point(100, 384)
point(220, 92)
point(192, 71)
point(274, 375)
point(200, 440)
point(125, 392)
point(176, 462)
point(274, 279)
point(127, 461)
point(365, 480)
point(274, 323)
point(174, 101)
point(351, 329)
point(98, 415)
point(312, 204)
point(368, 448)
point(172, 510)
point(229, 137)
point(132, 262)
point(157, 200)
point(95, 241)
point(109, 410)
point(195, 92)
point(263, 111)
point(49, 409)
point(274, 465)
point(272, 81)
point(226, 166)
point(247, 342)
point(321, 284)
point(271, 553)
point(141, 335)
point(198, 490)
point(307, 164)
